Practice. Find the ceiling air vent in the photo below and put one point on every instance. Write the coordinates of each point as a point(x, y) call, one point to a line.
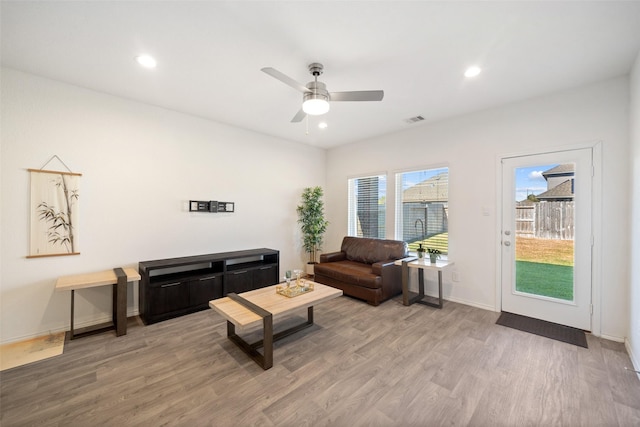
point(414, 119)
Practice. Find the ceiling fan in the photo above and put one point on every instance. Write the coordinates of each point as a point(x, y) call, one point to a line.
point(315, 97)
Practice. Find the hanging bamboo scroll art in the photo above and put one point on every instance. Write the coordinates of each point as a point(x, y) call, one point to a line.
point(54, 213)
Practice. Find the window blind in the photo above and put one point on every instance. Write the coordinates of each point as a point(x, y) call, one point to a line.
point(367, 206)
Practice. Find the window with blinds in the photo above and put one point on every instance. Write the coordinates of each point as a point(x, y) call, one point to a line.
point(367, 206)
point(422, 208)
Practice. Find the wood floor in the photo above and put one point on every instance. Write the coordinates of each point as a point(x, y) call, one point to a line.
point(357, 366)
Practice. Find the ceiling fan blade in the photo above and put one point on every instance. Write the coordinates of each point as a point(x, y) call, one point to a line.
point(360, 95)
point(299, 116)
point(285, 79)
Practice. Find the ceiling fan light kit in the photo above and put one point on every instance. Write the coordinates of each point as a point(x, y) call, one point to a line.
point(316, 97)
point(316, 102)
point(315, 106)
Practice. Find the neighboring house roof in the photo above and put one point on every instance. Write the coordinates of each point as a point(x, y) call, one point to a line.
point(433, 189)
point(525, 202)
point(568, 169)
point(561, 191)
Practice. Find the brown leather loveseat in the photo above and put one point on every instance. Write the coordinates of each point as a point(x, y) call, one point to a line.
point(364, 268)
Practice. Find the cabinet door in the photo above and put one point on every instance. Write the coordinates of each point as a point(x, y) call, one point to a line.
point(168, 297)
point(265, 276)
point(205, 289)
point(238, 282)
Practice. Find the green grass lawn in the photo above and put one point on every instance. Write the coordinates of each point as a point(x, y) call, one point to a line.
point(543, 266)
point(551, 280)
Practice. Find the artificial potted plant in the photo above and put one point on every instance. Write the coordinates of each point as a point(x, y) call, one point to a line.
point(434, 254)
point(312, 223)
point(421, 250)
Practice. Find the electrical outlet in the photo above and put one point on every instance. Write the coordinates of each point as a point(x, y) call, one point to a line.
point(455, 276)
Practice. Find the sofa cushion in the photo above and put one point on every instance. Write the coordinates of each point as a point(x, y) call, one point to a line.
point(370, 251)
point(352, 272)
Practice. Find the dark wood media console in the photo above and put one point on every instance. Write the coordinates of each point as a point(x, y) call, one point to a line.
point(177, 286)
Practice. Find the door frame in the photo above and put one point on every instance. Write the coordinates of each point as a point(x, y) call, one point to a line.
point(596, 217)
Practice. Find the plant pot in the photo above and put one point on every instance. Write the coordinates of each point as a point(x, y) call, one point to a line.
point(433, 258)
point(309, 270)
point(420, 254)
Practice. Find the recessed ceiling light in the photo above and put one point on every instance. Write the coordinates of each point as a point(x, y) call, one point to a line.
point(322, 125)
point(472, 71)
point(146, 61)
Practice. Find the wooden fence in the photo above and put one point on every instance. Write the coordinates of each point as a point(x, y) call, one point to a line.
point(546, 220)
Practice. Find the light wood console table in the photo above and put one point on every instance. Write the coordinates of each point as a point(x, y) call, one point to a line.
point(118, 278)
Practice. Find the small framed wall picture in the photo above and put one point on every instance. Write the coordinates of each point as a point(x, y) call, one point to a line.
point(54, 216)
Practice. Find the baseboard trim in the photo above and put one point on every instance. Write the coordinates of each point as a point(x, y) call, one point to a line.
point(632, 356)
point(610, 337)
point(462, 301)
point(472, 304)
point(64, 328)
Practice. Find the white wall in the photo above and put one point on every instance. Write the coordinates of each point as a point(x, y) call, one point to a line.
point(140, 165)
point(471, 145)
point(633, 345)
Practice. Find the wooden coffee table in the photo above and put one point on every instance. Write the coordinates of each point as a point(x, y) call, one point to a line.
point(260, 306)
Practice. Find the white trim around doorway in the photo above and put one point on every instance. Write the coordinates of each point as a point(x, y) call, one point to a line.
point(596, 251)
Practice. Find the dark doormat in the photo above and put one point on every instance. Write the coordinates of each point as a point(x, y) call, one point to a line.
point(546, 329)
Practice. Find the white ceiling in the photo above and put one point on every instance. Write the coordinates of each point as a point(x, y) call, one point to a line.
point(210, 54)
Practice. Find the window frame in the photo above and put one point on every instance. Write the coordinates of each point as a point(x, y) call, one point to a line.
point(399, 232)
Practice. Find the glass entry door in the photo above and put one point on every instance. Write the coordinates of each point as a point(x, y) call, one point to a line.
point(546, 236)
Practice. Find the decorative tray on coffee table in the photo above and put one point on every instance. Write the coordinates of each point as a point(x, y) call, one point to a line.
point(294, 290)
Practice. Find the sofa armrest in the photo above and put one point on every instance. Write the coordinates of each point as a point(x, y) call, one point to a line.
point(378, 267)
point(333, 257)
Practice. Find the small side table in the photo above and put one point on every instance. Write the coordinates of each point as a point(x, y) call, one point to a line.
point(118, 278)
point(408, 297)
